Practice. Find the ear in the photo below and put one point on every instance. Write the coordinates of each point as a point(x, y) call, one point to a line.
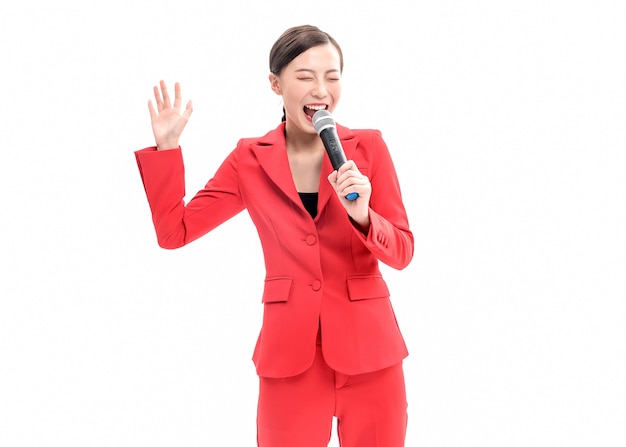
point(275, 84)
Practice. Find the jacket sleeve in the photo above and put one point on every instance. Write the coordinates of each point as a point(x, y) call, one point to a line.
point(389, 237)
point(177, 223)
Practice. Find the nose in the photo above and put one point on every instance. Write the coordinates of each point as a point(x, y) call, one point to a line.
point(320, 91)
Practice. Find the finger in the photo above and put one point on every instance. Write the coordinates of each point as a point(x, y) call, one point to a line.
point(347, 166)
point(153, 113)
point(344, 186)
point(157, 98)
point(177, 97)
point(188, 111)
point(352, 184)
point(349, 177)
point(166, 97)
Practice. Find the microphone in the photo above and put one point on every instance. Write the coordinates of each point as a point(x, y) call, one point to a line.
point(327, 130)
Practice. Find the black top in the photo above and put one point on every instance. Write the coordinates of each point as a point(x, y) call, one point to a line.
point(309, 200)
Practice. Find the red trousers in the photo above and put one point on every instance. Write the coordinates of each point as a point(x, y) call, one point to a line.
point(298, 411)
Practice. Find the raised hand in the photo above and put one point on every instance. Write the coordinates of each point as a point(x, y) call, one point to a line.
point(167, 121)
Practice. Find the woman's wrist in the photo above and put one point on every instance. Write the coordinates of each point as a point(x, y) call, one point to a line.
point(362, 224)
point(168, 145)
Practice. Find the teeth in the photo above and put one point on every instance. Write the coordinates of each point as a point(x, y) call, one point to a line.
point(316, 107)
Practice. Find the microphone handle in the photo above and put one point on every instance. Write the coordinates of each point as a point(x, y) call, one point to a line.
point(335, 152)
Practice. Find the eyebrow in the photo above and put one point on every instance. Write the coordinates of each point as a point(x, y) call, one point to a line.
point(308, 70)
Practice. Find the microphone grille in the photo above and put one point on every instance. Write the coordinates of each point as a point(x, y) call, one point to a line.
point(322, 119)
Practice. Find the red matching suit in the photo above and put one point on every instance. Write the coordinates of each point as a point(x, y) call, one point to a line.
point(321, 272)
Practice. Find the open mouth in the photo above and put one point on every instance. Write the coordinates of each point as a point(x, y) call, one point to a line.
point(310, 109)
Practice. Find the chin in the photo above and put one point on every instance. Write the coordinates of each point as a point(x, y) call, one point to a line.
point(306, 124)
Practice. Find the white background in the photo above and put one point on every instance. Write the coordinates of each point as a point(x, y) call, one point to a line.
point(506, 121)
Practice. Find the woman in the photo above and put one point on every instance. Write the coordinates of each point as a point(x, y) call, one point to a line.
point(329, 344)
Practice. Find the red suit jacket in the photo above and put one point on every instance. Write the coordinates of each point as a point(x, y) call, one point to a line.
point(321, 271)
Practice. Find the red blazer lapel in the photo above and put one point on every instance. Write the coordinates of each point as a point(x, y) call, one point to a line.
point(271, 154)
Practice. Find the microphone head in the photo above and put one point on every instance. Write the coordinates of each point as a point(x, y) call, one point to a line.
point(322, 119)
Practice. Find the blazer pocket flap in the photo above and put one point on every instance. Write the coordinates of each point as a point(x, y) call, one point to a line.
point(276, 290)
point(367, 287)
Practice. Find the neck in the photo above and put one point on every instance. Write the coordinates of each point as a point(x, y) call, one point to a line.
point(302, 142)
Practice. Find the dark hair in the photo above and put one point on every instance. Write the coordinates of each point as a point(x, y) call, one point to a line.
point(295, 41)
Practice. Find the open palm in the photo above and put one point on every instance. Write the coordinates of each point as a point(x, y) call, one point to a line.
point(167, 121)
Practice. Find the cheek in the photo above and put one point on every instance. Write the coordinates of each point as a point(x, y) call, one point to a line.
point(292, 98)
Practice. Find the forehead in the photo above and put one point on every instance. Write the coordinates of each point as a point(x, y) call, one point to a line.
point(319, 58)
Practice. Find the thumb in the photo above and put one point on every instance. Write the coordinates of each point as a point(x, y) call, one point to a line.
point(332, 178)
point(188, 110)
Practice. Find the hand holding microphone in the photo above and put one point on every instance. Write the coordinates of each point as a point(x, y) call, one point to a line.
point(327, 130)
